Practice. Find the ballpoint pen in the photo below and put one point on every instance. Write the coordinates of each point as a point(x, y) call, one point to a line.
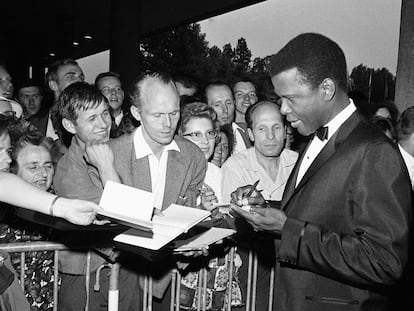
point(253, 188)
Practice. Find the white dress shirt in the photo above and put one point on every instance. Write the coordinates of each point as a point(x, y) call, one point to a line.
point(409, 162)
point(317, 145)
point(239, 144)
point(50, 130)
point(158, 167)
point(118, 118)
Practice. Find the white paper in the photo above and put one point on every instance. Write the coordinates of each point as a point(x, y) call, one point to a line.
point(203, 239)
point(181, 216)
point(127, 201)
point(176, 220)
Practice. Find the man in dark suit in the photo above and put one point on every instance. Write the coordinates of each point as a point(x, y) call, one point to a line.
point(341, 235)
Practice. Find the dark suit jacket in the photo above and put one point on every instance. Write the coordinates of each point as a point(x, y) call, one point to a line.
point(346, 236)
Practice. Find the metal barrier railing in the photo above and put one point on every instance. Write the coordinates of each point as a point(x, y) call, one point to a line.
point(113, 294)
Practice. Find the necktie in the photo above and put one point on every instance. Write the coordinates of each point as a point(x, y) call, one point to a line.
point(322, 133)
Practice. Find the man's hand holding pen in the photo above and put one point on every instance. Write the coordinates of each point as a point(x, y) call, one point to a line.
point(248, 196)
point(247, 202)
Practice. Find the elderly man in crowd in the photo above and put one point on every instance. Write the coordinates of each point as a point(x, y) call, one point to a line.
point(267, 161)
point(268, 165)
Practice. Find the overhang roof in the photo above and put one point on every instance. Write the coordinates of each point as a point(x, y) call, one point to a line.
point(36, 29)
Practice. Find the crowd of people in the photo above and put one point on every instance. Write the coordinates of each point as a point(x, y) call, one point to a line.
point(313, 178)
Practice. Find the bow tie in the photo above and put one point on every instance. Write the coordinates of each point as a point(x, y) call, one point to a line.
point(322, 133)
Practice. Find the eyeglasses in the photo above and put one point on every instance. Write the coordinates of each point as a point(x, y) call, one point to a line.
point(110, 90)
point(197, 136)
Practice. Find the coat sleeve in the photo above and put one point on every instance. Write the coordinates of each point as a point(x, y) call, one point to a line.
point(374, 251)
point(78, 183)
point(198, 174)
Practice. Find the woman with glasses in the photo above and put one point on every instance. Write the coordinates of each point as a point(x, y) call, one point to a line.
point(199, 125)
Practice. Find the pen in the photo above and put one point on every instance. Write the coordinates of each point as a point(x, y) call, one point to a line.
point(253, 188)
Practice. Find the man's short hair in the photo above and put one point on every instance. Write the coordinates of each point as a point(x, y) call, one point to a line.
point(405, 125)
point(51, 74)
point(250, 111)
point(186, 81)
point(79, 96)
point(215, 83)
point(107, 74)
point(34, 138)
point(315, 56)
point(141, 84)
point(244, 79)
point(31, 82)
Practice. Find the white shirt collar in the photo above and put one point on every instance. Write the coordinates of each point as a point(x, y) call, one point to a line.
point(118, 118)
point(408, 158)
point(340, 118)
point(235, 127)
point(142, 149)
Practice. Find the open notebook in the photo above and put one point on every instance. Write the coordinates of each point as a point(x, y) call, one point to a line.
point(127, 205)
point(134, 207)
point(176, 220)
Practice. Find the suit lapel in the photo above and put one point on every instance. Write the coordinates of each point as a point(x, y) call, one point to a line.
point(290, 185)
point(326, 153)
point(140, 171)
point(173, 180)
point(141, 174)
point(243, 133)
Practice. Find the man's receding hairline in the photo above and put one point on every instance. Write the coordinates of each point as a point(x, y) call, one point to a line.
point(154, 81)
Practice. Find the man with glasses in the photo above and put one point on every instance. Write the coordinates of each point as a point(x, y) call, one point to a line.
point(109, 83)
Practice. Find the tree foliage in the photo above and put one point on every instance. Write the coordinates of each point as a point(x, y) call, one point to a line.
point(185, 51)
point(377, 85)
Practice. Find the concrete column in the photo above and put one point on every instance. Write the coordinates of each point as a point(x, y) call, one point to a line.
point(125, 31)
point(404, 89)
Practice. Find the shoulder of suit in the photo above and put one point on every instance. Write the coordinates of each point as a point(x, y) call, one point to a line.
point(121, 140)
point(368, 133)
point(187, 148)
